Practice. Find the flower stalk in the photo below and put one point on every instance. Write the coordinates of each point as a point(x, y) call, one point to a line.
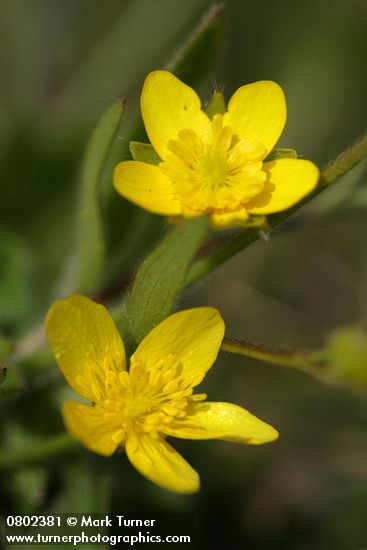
point(306, 361)
point(346, 161)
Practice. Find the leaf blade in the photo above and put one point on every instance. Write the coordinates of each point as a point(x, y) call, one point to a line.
point(91, 247)
point(159, 279)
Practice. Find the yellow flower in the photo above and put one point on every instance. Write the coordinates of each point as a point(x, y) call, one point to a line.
point(214, 167)
point(137, 409)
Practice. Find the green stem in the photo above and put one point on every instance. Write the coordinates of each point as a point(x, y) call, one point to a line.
point(228, 248)
point(213, 15)
point(233, 244)
point(347, 160)
point(290, 358)
point(39, 451)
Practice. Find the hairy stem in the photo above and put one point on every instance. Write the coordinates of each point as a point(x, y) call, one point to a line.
point(347, 160)
point(297, 359)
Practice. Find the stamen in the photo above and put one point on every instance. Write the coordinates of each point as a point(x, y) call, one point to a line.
point(124, 378)
point(165, 419)
point(179, 404)
point(134, 442)
point(118, 436)
point(170, 387)
point(198, 397)
point(171, 411)
point(97, 392)
point(154, 376)
point(111, 404)
point(217, 173)
point(111, 378)
point(147, 399)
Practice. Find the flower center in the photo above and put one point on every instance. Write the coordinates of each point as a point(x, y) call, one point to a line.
point(215, 173)
point(145, 400)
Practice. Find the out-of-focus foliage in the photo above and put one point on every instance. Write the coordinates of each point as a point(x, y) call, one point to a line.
point(63, 64)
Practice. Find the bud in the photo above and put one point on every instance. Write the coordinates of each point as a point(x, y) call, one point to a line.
point(216, 106)
point(346, 355)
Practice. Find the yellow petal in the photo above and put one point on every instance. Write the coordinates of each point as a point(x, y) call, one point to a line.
point(192, 337)
point(257, 113)
point(288, 181)
point(147, 186)
point(87, 425)
point(159, 462)
point(85, 343)
point(168, 106)
point(221, 421)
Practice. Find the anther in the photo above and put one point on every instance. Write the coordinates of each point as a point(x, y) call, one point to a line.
point(124, 378)
point(170, 386)
point(118, 436)
point(198, 397)
point(97, 392)
point(171, 411)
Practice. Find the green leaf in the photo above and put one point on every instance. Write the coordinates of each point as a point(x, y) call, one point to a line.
point(144, 152)
point(90, 252)
point(3, 373)
point(159, 279)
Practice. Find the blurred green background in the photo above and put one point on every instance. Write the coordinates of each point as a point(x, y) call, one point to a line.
point(62, 64)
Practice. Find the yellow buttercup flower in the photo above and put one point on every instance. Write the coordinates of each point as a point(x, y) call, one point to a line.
point(139, 408)
point(214, 166)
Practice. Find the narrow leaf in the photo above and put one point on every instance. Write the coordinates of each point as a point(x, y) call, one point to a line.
point(90, 248)
point(159, 279)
